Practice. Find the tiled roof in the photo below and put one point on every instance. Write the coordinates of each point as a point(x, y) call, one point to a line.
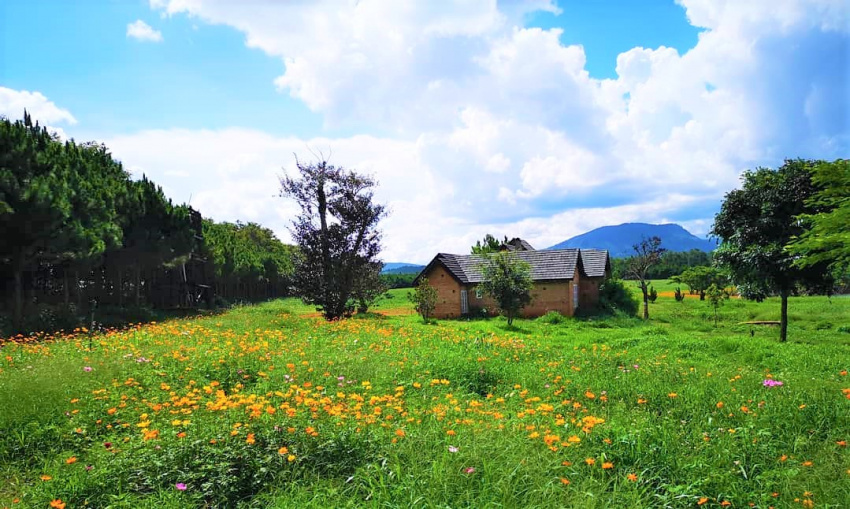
point(545, 265)
point(594, 262)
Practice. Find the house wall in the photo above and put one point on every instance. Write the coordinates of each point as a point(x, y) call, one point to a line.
point(448, 293)
point(589, 291)
point(546, 296)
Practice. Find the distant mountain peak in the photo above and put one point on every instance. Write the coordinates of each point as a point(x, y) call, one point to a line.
point(619, 239)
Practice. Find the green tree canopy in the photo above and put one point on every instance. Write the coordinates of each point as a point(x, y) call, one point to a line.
point(827, 238)
point(756, 222)
point(489, 244)
point(507, 280)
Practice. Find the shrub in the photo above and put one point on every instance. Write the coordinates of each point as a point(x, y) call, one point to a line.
point(678, 295)
point(614, 296)
point(653, 294)
point(424, 296)
point(552, 318)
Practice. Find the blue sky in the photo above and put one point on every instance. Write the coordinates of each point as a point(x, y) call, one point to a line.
point(532, 118)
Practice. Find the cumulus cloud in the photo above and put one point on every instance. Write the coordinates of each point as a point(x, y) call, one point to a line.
point(141, 31)
point(510, 126)
point(491, 126)
point(14, 102)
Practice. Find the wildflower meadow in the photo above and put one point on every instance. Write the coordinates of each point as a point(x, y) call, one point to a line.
point(271, 406)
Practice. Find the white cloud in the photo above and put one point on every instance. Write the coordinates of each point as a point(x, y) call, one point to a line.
point(141, 31)
point(493, 127)
point(14, 102)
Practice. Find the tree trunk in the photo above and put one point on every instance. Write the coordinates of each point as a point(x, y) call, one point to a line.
point(77, 289)
point(783, 318)
point(138, 285)
point(18, 313)
point(643, 289)
point(66, 291)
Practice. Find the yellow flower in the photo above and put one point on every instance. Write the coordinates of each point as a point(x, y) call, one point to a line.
point(672, 395)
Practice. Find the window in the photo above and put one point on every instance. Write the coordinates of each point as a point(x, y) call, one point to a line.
point(478, 294)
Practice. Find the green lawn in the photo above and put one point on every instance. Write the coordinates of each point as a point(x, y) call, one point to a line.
point(267, 406)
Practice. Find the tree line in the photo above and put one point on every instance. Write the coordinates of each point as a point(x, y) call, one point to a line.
point(78, 233)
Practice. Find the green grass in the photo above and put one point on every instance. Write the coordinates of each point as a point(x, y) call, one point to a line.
point(641, 395)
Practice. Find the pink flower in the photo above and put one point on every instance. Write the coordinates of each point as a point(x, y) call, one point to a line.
point(469, 470)
point(180, 486)
point(453, 448)
point(87, 368)
point(772, 383)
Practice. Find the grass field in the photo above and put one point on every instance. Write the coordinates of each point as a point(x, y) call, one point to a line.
point(268, 406)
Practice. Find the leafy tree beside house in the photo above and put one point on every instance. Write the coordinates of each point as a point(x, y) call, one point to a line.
point(507, 280)
point(489, 244)
point(756, 222)
point(424, 297)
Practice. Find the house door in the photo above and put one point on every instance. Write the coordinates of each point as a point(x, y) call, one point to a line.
point(575, 296)
point(464, 302)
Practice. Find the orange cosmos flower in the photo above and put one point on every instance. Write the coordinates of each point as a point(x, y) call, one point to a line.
point(565, 481)
point(590, 461)
point(283, 450)
point(57, 504)
point(607, 465)
point(725, 503)
point(46, 478)
point(807, 463)
point(702, 500)
point(250, 439)
point(719, 404)
point(71, 460)
point(632, 477)
point(672, 395)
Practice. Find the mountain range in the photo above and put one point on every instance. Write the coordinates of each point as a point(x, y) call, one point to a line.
point(619, 239)
point(401, 268)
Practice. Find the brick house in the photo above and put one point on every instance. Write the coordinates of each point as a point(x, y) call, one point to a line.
point(564, 279)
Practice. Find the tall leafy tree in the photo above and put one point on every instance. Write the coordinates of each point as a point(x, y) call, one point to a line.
point(507, 280)
point(647, 254)
point(489, 244)
point(336, 232)
point(756, 222)
point(827, 238)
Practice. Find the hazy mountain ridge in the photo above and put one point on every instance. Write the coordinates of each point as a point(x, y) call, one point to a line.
point(619, 239)
point(401, 268)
